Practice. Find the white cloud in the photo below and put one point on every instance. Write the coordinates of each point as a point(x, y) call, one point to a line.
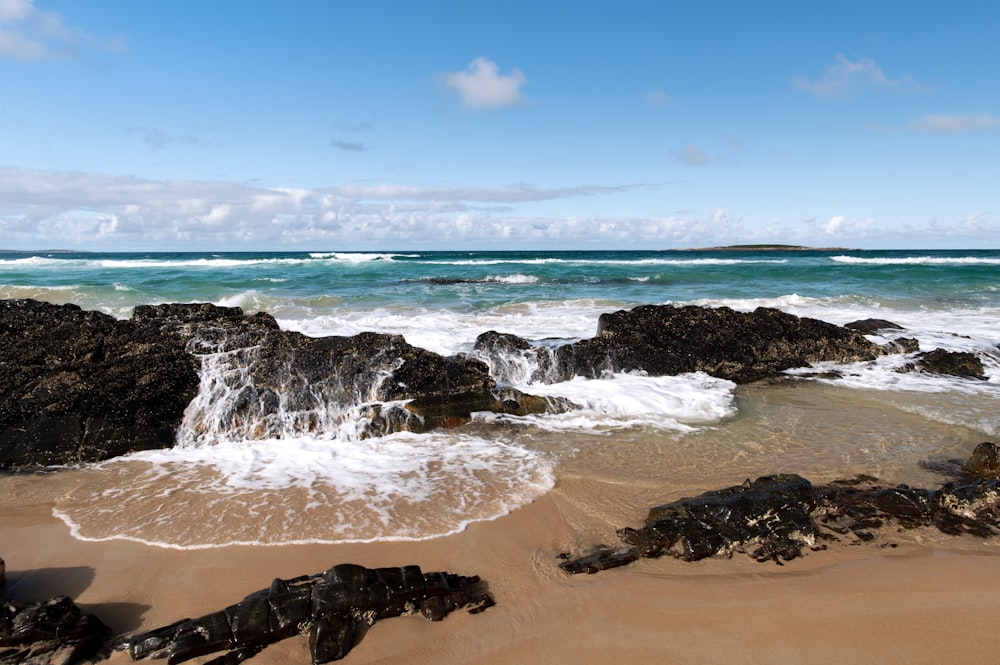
point(845, 77)
point(30, 34)
point(46, 209)
point(13, 10)
point(833, 224)
point(957, 123)
point(74, 208)
point(692, 155)
point(482, 86)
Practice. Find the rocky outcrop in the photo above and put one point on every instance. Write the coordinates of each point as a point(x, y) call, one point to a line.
point(668, 340)
point(887, 328)
point(333, 609)
point(984, 461)
point(261, 381)
point(776, 518)
point(955, 363)
point(53, 632)
point(79, 386)
point(872, 326)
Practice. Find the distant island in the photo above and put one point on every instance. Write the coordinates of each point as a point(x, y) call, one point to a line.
point(765, 248)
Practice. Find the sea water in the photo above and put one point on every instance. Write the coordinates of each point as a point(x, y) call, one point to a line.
point(222, 486)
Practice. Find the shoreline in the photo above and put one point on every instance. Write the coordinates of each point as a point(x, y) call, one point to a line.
point(918, 602)
point(929, 598)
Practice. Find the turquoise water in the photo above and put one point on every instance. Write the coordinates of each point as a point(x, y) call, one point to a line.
point(301, 285)
point(334, 486)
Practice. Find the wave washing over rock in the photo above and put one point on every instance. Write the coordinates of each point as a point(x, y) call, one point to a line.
point(79, 386)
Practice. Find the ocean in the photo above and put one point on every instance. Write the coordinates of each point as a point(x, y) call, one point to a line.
point(660, 435)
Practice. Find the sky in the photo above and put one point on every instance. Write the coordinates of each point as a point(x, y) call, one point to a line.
point(325, 125)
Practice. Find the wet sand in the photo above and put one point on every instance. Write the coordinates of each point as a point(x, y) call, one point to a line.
point(927, 600)
point(909, 597)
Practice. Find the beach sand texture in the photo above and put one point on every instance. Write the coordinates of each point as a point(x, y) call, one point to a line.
point(910, 597)
point(916, 603)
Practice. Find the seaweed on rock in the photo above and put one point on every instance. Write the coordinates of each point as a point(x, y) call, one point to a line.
point(776, 518)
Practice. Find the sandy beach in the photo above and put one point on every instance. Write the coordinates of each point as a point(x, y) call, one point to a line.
point(924, 598)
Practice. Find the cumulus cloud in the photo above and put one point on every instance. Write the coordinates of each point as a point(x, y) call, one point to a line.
point(692, 155)
point(482, 86)
point(833, 224)
point(948, 124)
point(30, 34)
point(845, 77)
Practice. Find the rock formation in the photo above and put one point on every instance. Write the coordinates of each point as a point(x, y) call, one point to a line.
point(984, 461)
point(666, 340)
point(53, 632)
point(269, 382)
point(776, 518)
point(80, 386)
point(955, 363)
point(333, 608)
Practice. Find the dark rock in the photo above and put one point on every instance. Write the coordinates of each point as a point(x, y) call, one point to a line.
point(53, 632)
point(514, 359)
point(776, 517)
point(276, 380)
point(334, 608)
point(907, 344)
point(80, 386)
point(872, 326)
point(984, 461)
point(740, 346)
point(601, 559)
point(770, 514)
point(954, 363)
point(910, 506)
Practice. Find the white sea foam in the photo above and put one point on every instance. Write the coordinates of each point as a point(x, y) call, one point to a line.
point(298, 490)
point(950, 327)
point(359, 257)
point(31, 261)
point(250, 300)
point(196, 263)
point(601, 262)
point(628, 399)
point(448, 332)
point(917, 260)
point(513, 279)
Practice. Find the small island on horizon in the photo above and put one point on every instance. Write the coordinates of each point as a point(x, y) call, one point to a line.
point(766, 248)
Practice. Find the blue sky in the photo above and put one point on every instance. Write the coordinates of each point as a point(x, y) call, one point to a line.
point(174, 124)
